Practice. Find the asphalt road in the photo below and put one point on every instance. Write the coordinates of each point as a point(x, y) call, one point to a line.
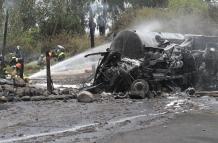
point(165, 119)
point(187, 128)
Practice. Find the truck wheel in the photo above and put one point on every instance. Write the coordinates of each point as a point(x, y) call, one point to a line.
point(139, 89)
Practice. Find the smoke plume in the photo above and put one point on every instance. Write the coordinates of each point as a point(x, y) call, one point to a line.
point(189, 24)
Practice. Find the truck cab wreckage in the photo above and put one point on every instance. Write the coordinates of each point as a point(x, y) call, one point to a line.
point(132, 68)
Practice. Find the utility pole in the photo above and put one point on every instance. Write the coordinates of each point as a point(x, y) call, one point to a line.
point(5, 39)
point(92, 26)
point(48, 73)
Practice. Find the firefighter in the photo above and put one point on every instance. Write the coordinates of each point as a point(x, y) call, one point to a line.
point(58, 53)
point(17, 62)
point(18, 52)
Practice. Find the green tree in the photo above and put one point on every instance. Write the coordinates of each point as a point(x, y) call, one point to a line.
point(213, 9)
point(1, 15)
point(56, 16)
point(27, 13)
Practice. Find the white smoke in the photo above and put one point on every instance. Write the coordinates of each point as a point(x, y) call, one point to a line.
point(186, 24)
point(191, 24)
point(149, 26)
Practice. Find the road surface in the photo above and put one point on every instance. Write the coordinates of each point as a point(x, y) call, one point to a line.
point(167, 119)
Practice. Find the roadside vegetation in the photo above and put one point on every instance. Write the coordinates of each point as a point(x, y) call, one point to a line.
point(180, 16)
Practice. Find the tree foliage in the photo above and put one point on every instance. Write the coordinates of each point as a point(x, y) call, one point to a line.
point(56, 16)
point(213, 9)
point(27, 13)
point(34, 21)
point(1, 14)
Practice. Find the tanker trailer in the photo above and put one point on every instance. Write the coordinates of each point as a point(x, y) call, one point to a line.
point(132, 67)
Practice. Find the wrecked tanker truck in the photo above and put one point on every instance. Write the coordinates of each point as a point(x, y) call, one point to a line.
point(130, 67)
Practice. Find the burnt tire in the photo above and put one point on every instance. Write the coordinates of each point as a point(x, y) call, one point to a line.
point(139, 89)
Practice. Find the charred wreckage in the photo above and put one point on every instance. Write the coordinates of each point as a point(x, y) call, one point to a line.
point(131, 68)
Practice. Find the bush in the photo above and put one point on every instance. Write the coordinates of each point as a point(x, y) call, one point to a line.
point(73, 43)
point(33, 45)
point(184, 7)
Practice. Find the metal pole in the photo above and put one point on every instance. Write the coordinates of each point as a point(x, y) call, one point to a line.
point(48, 70)
point(92, 29)
point(5, 39)
point(92, 38)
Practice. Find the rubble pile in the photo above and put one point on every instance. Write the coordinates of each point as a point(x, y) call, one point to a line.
point(18, 90)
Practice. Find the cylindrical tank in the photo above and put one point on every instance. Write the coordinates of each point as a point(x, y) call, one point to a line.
point(131, 44)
